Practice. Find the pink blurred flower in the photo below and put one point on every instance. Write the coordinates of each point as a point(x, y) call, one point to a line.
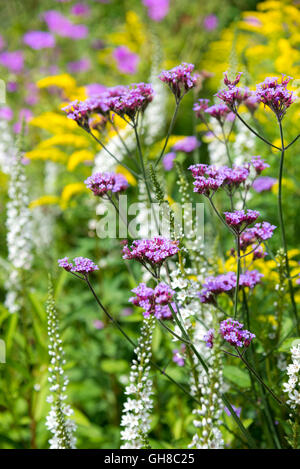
point(210, 22)
point(95, 89)
point(78, 66)
point(24, 116)
point(157, 9)
point(14, 61)
point(168, 160)
point(11, 86)
point(263, 183)
point(39, 40)
point(32, 94)
point(127, 61)
point(59, 24)
point(6, 113)
point(98, 324)
point(80, 9)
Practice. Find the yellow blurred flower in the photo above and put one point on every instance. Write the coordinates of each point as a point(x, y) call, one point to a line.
point(79, 157)
point(51, 154)
point(44, 200)
point(69, 191)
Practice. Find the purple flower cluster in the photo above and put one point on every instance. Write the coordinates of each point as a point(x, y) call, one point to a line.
point(83, 265)
point(209, 338)
point(153, 251)
point(209, 178)
point(102, 183)
point(179, 79)
point(200, 107)
point(213, 286)
point(226, 283)
point(218, 111)
point(233, 96)
point(274, 94)
point(259, 164)
point(239, 219)
point(187, 144)
point(154, 301)
point(122, 100)
point(259, 232)
point(232, 331)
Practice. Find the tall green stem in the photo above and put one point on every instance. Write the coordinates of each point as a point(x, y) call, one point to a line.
point(238, 270)
point(282, 229)
point(168, 134)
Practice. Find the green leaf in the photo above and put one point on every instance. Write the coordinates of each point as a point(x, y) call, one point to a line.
point(288, 343)
point(114, 366)
point(11, 330)
point(237, 376)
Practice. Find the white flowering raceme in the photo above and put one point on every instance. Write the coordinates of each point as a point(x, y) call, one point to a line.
point(244, 143)
point(207, 418)
point(19, 234)
point(138, 406)
point(58, 420)
point(292, 387)
point(7, 147)
point(155, 114)
point(204, 386)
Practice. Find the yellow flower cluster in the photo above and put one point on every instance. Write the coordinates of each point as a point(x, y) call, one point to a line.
point(263, 43)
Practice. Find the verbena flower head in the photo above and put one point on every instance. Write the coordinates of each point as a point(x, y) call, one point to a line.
point(232, 83)
point(151, 251)
point(122, 100)
point(226, 283)
point(263, 184)
point(274, 93)
point(218, 111)
point(240, 219)
point(259, 164)
point(103, 183)
point(200, 106)
point(232, 331)
point(133, 100)
point(154, 301)
point(179, 79)
point(187, 144)
point(82, 265)
point(259, 232)
point(233, 96)
point(213, 286)
point(209, 178)
point(209, 338)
